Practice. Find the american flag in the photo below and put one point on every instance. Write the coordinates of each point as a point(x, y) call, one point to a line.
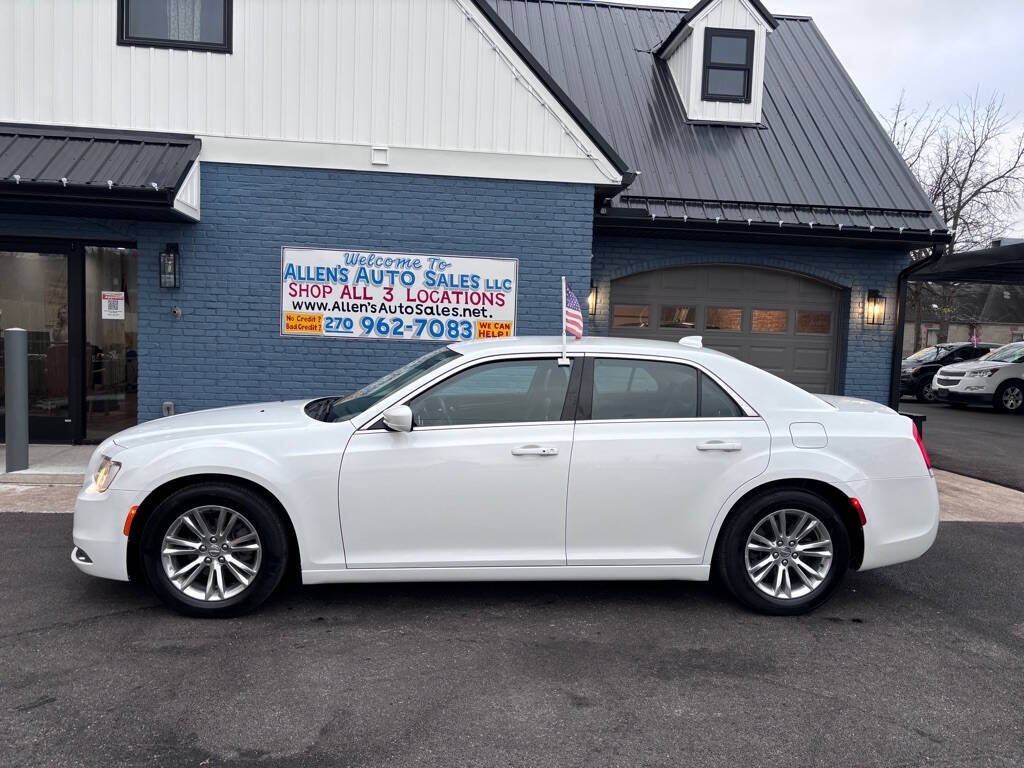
point(573, 315)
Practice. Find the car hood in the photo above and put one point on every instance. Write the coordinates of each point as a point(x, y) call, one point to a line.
point(217, 421)
point(973, 365)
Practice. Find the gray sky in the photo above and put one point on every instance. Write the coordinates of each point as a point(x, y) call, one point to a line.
point(938, 51)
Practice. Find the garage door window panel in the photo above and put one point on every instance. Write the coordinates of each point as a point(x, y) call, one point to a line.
point(769, 321)
point(503, 392)
point(631, 316)
point(723, 319)
point(811, 321)
point(678, 317)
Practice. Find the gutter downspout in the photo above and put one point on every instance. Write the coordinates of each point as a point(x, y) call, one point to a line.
point(901, 311)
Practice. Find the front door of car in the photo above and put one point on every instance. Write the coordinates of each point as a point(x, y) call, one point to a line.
point(658, 449)
point(479, 481)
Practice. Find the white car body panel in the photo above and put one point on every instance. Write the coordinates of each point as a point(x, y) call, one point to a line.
point(617, 499)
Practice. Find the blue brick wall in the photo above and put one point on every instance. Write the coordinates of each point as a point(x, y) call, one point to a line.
point(865, 372)
point(227, 347)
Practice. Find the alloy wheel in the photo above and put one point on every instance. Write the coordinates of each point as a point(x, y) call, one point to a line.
point(211, 553)
point(788, 554)
point(1013, 398)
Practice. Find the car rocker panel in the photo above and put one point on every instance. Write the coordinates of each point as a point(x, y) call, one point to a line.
point(491, 460)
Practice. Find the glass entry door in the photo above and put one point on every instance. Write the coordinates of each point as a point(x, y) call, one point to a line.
point(34, 296)
point(79, 304)
point(111, 341)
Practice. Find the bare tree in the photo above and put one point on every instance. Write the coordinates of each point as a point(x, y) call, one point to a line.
point(972, 168)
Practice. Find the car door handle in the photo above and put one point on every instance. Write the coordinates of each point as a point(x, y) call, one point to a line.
point(535, 450)
point(718, 445)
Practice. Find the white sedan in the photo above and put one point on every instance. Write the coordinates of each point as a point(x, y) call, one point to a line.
point(501, 460)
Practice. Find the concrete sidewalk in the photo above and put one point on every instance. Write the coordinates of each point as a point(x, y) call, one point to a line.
point(49, 465)
point(962, 499)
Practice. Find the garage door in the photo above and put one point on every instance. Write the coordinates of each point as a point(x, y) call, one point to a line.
point(784, 323)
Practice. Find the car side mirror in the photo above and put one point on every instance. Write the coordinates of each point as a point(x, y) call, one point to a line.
point(398, 418)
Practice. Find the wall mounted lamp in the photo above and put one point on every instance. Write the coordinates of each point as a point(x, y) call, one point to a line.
point(874, 308)
point(170, 266)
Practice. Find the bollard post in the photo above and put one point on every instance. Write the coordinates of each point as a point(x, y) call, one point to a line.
point(16, 398)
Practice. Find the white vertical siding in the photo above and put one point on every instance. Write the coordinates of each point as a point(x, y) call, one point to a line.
point(687, 64)
point(412, 74)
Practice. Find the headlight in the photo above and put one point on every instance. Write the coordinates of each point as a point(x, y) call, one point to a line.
point(106, 473)
point(982, 374)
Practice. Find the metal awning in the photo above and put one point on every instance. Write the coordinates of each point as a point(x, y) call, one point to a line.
point(122, 174)
point(1001, 265)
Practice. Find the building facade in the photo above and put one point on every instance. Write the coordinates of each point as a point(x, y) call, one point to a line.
point(162, 164)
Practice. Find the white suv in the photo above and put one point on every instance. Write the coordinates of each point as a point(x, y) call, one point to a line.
point(997, 379)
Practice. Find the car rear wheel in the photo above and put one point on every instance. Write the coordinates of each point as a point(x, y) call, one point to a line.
point(925, 393)
point(1009, 398)
point(214, 550)
point(783, 553)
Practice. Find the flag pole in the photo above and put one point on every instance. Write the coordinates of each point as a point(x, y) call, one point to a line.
point(563, 360)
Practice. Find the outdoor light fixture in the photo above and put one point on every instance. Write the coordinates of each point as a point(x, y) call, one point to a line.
point(592, 300)
point(170, 267)
point(874, 308)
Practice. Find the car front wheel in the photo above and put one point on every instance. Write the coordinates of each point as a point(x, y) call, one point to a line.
point(925, 393)
point(783, 553)
point(214, 550)
point(1009, 397)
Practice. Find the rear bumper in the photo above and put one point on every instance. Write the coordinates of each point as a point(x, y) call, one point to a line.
point(902, 518)
point(99, 532)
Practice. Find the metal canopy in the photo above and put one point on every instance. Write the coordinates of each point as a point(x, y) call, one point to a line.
point(1001, 265)
point(70, 171)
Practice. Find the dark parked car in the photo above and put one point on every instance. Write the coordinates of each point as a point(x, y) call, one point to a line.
point(918, 370)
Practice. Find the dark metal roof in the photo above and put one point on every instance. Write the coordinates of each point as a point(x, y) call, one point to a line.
point(1002, 265)
point(92, 171)
point(819, 156)
point(694, 12)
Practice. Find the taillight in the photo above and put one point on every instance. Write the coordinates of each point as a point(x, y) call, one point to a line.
point(924, 451)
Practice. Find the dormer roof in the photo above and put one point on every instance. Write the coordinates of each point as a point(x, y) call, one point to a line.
point(697, 10)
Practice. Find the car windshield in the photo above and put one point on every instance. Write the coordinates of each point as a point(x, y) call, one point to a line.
point(1011, 353)
point(332, 409)
point(928, 354)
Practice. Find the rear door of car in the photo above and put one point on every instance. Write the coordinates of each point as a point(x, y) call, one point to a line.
point(659, 446)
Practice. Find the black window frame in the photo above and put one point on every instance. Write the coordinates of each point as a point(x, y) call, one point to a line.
point(747, 68)
point(123, 38)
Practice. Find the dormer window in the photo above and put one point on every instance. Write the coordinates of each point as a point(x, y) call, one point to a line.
point(728, 65)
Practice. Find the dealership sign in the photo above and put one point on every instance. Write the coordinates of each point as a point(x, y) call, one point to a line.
point(376, 295)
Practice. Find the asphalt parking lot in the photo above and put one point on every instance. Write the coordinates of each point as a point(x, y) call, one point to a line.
point(921, 664)
point(977, 442)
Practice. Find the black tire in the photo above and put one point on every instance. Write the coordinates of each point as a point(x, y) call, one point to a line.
point(730, 555)
point(1013, 387)
point(272, 539)
point(924, 392)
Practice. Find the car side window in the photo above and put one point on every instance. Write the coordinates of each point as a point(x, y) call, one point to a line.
point(502, 392)
point(714, 402)
point(643, 389)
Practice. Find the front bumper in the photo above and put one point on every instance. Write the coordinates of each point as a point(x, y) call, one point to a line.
point(99, 532)
point(959, 396)
point(908, 385)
